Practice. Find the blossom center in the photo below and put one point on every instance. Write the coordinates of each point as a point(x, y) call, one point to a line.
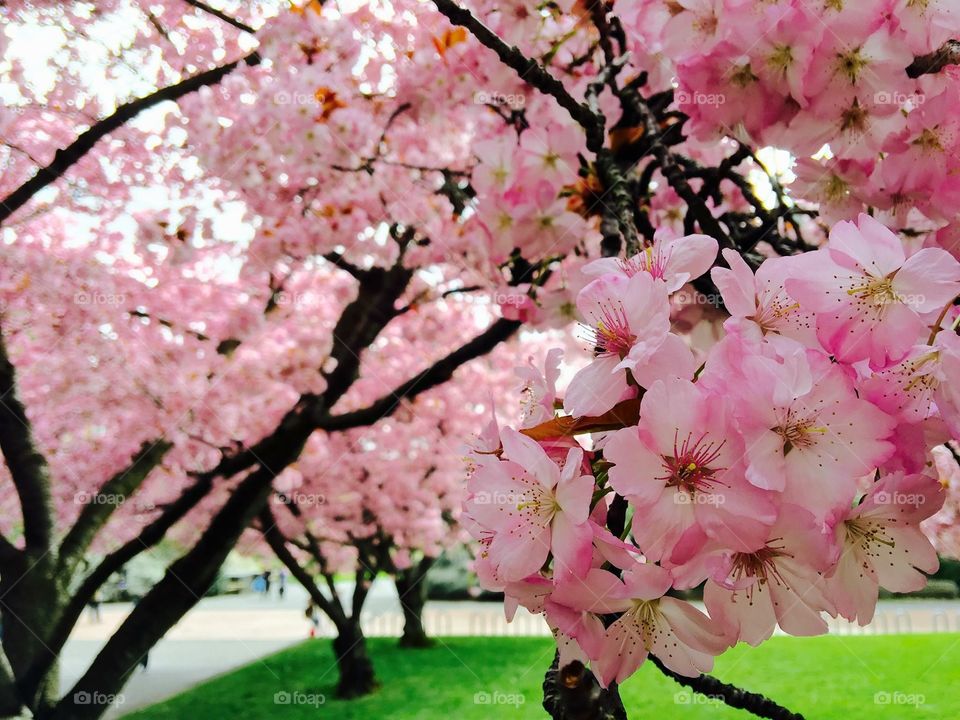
point(878, 291)
point(646, 615)
point(539, 505)
point(799, 432)
point(689, 468)
point(611, 334)
point(866, 533)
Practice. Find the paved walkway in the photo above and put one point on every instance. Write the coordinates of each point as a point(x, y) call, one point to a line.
point(223, 633)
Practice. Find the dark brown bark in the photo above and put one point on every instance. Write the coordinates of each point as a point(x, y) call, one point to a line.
point(753, 703)
point(412, 591)
point(66, 157)
point(438, 373)
point(185, 582)
point(11, 704)
point(26, 464)
point(30, 594)
point(946, 54)
point(573, 693)
point(357, 677)
point(356, 673)
point(220, 15)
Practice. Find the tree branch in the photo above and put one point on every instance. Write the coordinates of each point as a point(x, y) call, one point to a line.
point(730, 694)
point(337, 259)
point(278, 544)
point(221, 15)
point(946, 54)
point(68, 156)
point(438, 373)
point(113, 562)
point(360, 323)
point(95, 514)
point(184, 583)
point(28, 468)
point(529, 70)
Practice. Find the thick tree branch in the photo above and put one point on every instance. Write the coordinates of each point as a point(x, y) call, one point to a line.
point(360, 323)
point(946, 54)
point(184, 583)
point(337, 259)
point(68, 156)
point(731, 695)
point(573, 693)
point(153, 533)
point(441, 371)
point(115, 492)
point(8, 553)
point(28, 468)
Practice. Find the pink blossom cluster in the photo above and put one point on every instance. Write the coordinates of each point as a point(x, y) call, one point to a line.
point(789, 471)
point(802, 75)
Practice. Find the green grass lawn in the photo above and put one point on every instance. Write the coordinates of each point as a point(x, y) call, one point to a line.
point(843, 678)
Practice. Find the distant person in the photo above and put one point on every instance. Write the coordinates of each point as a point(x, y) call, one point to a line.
point(93, 607)
point(314, 617)
point(266, 580)
point(282, 583)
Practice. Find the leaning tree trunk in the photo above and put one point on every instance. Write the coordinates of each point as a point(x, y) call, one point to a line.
point(356, 670)
point(412, 591)
point(29, 601)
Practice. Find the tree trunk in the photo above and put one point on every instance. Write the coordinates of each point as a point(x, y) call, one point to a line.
point(573, 693)
point(412, 591)
point(353, 662)
point(10, 704)
point(182, 586)
point(30, 601)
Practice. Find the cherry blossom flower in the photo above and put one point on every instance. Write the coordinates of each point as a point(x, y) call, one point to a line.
point(674, 260)
point(881, 543)
point(870, 299)
point(682, 470)
point(533, 507)
point(628, 321)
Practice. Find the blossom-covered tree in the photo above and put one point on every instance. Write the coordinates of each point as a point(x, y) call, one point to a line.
point(179, 321)
point(384, 500)
point(223, 270)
